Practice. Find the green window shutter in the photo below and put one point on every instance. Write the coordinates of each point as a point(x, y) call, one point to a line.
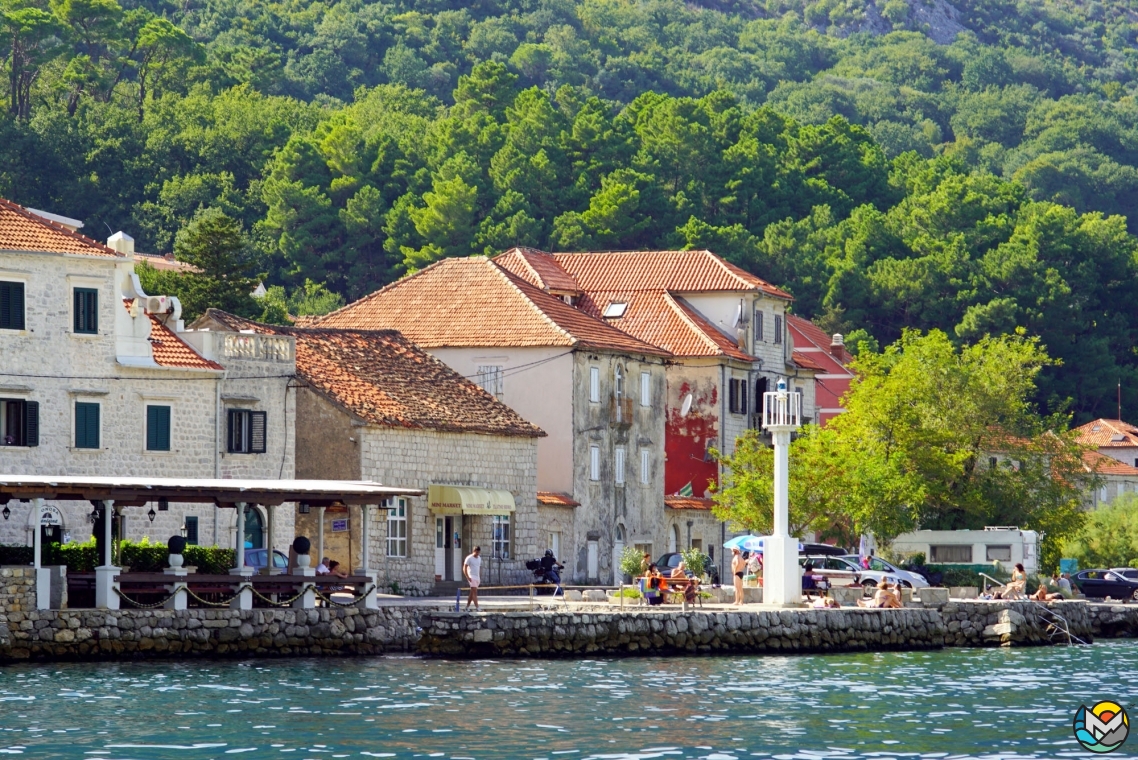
point(86, 317)
point(192, 530)
point(236, 417)
point(11, 305)
point(32, 423)
point(157, 428)
point(86, 425)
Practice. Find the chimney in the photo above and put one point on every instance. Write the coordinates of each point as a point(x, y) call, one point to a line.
point(838, 348)
point(121, 242)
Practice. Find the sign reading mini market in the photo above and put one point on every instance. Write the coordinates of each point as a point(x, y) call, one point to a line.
point(467, 500)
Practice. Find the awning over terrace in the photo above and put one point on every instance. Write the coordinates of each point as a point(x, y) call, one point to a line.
point(135, 491)
point(110, 494)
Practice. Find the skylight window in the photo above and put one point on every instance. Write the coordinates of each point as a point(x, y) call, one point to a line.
point(616, 309)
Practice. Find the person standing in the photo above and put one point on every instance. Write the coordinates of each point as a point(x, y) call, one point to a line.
point(472, 569)
point(737, 567)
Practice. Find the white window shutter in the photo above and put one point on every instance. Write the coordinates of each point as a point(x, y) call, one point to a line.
point(594, 463)
point(594, 384)
point(645, 465)
point(618, 465)
point(645, 389)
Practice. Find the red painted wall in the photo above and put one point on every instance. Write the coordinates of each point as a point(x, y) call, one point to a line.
point(686, 438)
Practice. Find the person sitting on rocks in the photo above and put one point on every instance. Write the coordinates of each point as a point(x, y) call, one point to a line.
point(825, 602)
point(1017, 586)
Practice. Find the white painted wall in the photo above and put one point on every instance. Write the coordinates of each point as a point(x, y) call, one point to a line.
point(538, 385)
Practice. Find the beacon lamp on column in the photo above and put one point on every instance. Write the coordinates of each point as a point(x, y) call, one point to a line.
point(782, 577)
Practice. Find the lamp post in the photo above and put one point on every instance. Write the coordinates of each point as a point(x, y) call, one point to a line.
point(782, 578)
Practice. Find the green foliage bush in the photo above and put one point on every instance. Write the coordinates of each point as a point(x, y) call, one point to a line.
point(141, 556)
point(630, 560)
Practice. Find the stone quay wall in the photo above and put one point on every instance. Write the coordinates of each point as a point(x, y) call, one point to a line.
point(563, 634)
point(1006, 623)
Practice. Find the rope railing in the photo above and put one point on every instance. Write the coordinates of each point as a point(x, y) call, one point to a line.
point(142, 606)
point(355, 598)
point(287, 602)
point(224, 603)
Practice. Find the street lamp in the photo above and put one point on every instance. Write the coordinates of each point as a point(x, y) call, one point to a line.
point(7, 512)
point(152, 514)
point(782, 578)
point(183, 528)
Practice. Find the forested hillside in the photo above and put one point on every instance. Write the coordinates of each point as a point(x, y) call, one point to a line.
point(904, 163)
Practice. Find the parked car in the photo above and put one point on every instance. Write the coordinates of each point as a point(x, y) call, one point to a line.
point(1126, 572)
point(882, 568)
point(670, 561)
point(1099, 584)
point(836, 570)
point(257, 558)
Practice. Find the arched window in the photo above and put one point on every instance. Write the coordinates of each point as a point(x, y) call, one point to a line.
point(254, 529)
point(620, 534)
point(674, 538)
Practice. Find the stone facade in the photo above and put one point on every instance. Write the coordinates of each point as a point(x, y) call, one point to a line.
point(115, 368)
point(613, 514)
point(333, 444)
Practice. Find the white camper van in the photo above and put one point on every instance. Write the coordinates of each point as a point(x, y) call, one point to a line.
point(1004, 544)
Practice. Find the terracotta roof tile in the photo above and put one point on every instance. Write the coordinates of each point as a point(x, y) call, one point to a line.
point(1104, 465)
point(555, 499)
point(538, 268)
point(171, 351)
point(677, 271)
point(803, 360)
point(659, 318)
point(474, 302)
point(385, 379)
point(1104, 433)
point(21, 230)
point(687, 502)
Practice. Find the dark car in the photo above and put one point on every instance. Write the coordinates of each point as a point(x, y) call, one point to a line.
point(670, 561)
point(1099, 584)
point(258, 557)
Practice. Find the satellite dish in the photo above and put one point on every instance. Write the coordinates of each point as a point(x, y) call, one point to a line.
point(686, 406)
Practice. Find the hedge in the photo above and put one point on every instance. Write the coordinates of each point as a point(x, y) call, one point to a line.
point(141, 556)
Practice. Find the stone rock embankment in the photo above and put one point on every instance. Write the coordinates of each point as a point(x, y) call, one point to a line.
point(562, 634)
point(1007, 623)
point(137, 634)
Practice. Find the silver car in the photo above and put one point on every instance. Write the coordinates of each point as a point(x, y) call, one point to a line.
point(879, 568)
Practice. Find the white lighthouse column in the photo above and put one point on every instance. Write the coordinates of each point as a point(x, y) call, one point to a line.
point(782, 576)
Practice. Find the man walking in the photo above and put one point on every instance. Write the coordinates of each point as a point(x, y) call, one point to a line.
point(471, 567)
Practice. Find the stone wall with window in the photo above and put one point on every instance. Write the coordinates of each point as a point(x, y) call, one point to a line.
point(418, 458)
point(618, 450)
point(64, 390)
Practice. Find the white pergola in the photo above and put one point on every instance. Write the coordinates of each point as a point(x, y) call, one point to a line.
point(113, 493)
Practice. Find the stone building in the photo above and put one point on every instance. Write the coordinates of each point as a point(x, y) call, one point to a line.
point(597, 391)
point(727, 336)
point(373, 406)
point(95, 379)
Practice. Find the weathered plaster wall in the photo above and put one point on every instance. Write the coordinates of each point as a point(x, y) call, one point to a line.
point(688, 437)
point(608, 512)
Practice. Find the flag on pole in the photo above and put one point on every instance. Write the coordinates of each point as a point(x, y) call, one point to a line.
point(685, 491)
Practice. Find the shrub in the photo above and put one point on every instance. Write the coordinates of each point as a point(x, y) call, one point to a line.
point(630, 561)
point(16, 555)
point(141, 557)
point(629, 593)
point(694, 560)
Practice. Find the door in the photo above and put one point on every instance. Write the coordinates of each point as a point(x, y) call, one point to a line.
point(555, 544)
point(591, 557)
point(450, 538)
point(674, 538)
point(617, 550)
point(49, 534)
point(440, 548)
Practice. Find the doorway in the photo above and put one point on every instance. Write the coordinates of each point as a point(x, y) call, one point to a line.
point(49, 534)
point(452, 546)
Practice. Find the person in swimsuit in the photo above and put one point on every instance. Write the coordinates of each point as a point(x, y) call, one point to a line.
point(737, 568)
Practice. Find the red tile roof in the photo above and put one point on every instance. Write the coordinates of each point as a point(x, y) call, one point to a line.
point(538, 268)
point(1104, 465)
point(1104, 433)
point(21, 230)
point(687, 502)
point(171, 351)
point(677, 271)
point(469, 302)
point(555, 499)
point(803, 360)
point(385, 379)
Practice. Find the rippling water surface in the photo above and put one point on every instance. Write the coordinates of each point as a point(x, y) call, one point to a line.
point(951, 704)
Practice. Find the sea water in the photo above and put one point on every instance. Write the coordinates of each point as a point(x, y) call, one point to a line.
point(954, 703)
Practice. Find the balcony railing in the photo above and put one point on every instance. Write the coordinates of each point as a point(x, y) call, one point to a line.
point(271, 348)
point(621, 411)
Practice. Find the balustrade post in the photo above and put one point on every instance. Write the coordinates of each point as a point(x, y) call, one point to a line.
point(43, 575)
point(106, 585)
point(244, 599)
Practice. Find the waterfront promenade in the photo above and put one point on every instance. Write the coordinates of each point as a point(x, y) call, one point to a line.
point(507, 627)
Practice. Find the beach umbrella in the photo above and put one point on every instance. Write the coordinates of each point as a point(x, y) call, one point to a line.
point(750, 543)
